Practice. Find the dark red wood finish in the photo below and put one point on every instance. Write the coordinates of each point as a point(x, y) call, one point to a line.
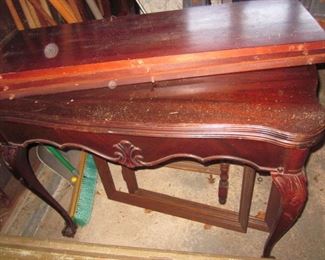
point(223, 183)
point(267, 120)
point(197, 41)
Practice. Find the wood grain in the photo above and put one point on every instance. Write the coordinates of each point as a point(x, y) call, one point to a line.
point(188, 43)
point(14, 14)
point(31, 248)
point(231, 84)
point(205, 106)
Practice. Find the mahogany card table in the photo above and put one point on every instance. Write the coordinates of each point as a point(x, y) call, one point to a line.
point(225, 84)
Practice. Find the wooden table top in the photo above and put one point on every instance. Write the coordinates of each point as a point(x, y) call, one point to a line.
point(199, 41)
point(193, 30)
point(280, 104)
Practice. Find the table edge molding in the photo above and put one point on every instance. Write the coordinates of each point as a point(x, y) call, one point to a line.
point(209, 131)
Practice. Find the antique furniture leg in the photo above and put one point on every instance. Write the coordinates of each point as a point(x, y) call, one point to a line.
point(105, 175)
point(246, 196)
point(16, 159)
point(223, 183)
point(130, 179)
point(292, 192)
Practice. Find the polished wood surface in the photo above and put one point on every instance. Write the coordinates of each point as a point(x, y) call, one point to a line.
point(193, 30)
point(278, 107)
point(190, 107)
point(162, 46)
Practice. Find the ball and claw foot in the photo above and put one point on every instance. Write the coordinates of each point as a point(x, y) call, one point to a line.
point(69, 230)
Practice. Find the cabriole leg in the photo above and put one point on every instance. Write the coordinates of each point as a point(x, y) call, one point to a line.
point(292, 191)
point(16, 159)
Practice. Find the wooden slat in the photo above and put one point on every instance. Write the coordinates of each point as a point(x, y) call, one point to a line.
point(31, 248)
point(94, 9)
point(167, 204)
point(185, 209)
point(44, 14)
point(171, 205)
point(100, 6)
point(26, 11)
point(258, 224)
point(15, 15)
point(34, 14)
point(46, 8)
point(105, 175)
point(75, 10)
point(246, 196)
point(134, 54)
point(64, 9)
point(181, 208)
point(130, 179)
point(98, 75)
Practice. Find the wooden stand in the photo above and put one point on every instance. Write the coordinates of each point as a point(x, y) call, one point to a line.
point(227, 92)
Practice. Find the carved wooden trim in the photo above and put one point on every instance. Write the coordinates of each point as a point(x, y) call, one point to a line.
point(247, 132)
point(127, 154)
point(293, 190)
point(139, 160)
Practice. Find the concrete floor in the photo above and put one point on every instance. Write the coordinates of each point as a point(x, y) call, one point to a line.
point(119, 224)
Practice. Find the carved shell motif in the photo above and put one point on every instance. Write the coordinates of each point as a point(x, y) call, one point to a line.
point(127, 154)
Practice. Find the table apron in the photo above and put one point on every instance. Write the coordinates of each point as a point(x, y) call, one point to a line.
point(148, 152)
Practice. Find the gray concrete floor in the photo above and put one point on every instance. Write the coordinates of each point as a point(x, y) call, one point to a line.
point(119, 224)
